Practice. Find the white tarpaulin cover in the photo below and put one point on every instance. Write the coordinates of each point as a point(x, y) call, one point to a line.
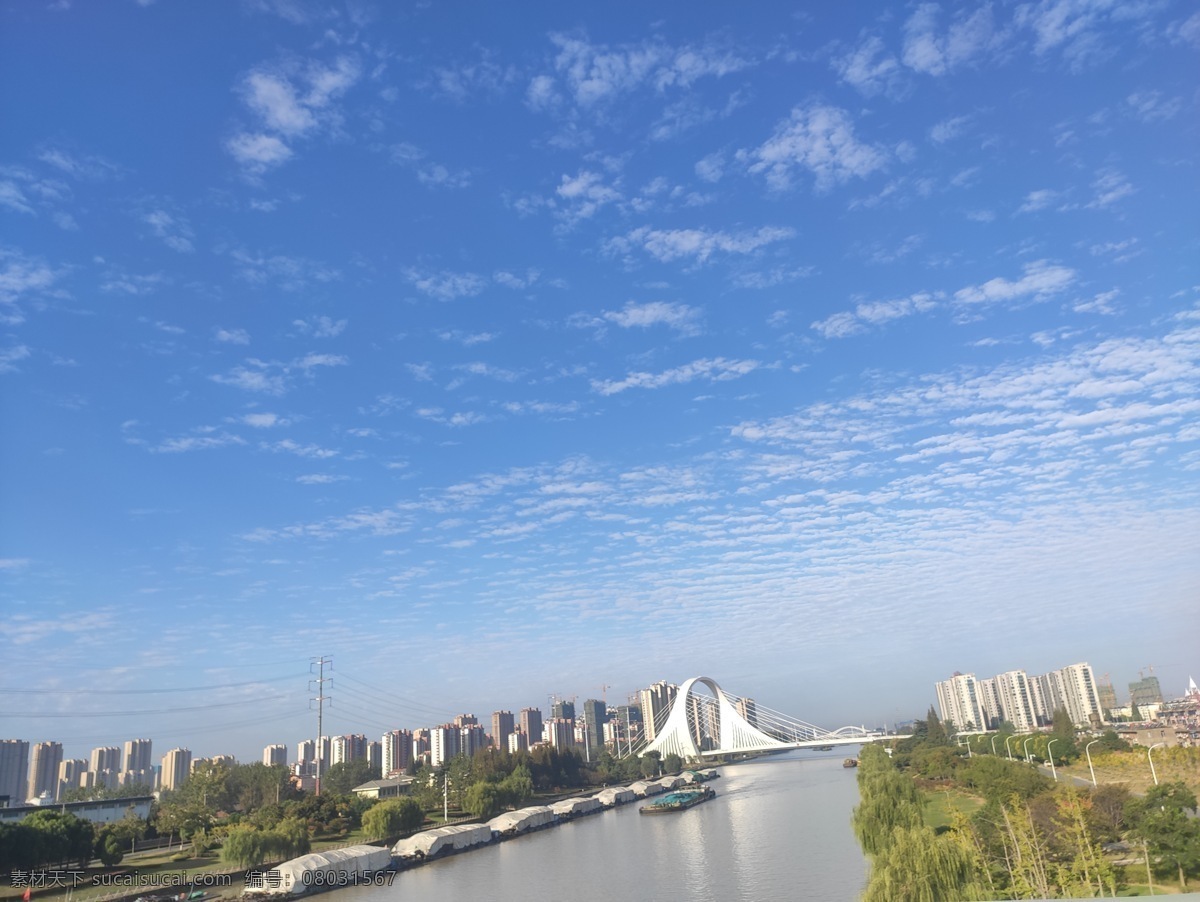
point(569, 807)
point(521, 820)
point(615, 795)
point(317, 870)
point(440, 839)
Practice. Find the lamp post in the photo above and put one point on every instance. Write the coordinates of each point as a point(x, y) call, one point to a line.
point(1006, 746)
point(1025, 745)
point(993, 745)
point(1050, 752)
point(1151, 760)
point(1087, 751)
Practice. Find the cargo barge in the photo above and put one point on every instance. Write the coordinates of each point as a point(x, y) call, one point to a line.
point(679, 801)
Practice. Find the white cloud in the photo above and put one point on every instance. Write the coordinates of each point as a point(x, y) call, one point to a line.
point(1038, 200)
point(1110, 186)
point(948, 129)
point(274, 98)
point(264, 420)
point(817, 138)
point(10, 355)
point(869, 68)
point(873, 313)
point(291, 102)
point(667, 245)
point(287, 446)
point(680, 317)
point(319, 479)
point(718, 369)
point(1150, 106)
point(585, 194)
point(593, 74)
point(174, 231)
point(968, 37)
point(203, 442)
point(321, 326)
point(12, 197)
point(447, 286)
point(711, 167)
point(1041, 279)
point(258, 152)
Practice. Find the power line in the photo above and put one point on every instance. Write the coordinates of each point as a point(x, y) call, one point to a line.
point(248, 701)
point(280, 679)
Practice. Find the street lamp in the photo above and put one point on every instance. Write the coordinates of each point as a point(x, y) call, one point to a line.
point(1006, 745)
point(993, 745)
point(1151, 760)
point(1089, 757)
point(1051, 754)
point(1025, 745)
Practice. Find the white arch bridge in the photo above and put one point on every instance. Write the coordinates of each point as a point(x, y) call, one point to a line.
point(697, 724)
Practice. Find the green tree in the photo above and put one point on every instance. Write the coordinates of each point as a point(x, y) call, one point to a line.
point(518, 787)
point(63, 838)
point(342, 777)
point(1160, 819)
point(393, 817)
point(919, 866)
point(109, 848)
point(482, 799)
point(650, 765)
point(672, 764)
point(935, 731)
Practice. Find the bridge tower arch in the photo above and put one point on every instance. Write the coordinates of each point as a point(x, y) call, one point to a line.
point(736, 734)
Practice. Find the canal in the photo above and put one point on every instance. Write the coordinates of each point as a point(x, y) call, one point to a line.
point(779, 828)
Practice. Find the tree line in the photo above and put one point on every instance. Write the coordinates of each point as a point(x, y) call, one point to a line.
point(1030, 837)
point(253, 813)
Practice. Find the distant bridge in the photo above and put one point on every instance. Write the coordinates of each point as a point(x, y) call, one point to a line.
point(699, 725)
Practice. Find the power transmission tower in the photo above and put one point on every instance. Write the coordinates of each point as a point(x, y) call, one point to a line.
point(320, 699)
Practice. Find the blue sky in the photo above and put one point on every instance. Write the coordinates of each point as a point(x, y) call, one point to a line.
point(820, 351)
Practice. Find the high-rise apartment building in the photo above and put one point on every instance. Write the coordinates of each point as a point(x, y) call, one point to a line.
point(397, 752)
point(471, 738)
point(348, 748)
point(517, 741)
point(503, 725)
point(14, 771)
point(959, 702)
point(531, 724)
point(595, 715)
point(275, 754)
point(748, 708)
point(1016, 701)
point(136, 766)
point(176, 767)
point(105, 766)
point(43, 769)
point(443, 743)
point(656, 704)
point(72, 773)
point(1145, 691)
point(559, 732)
point(375, 755)
point(1076, 684)
point(563, 709)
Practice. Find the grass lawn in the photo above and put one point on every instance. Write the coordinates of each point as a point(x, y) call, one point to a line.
point(941, 805)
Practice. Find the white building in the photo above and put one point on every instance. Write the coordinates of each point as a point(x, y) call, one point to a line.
point(959, 701)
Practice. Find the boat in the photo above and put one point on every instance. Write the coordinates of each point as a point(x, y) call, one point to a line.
point(679, 801)
point(850, 762)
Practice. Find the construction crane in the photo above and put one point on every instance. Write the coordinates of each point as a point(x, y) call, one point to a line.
point(604, 694)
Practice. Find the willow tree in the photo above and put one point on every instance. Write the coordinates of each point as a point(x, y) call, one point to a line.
point(920, 866)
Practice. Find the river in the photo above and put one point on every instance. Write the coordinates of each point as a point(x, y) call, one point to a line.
point(779, 828)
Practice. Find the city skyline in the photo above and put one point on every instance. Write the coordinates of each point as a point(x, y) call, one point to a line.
point(820, 352)
point(248, 752)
